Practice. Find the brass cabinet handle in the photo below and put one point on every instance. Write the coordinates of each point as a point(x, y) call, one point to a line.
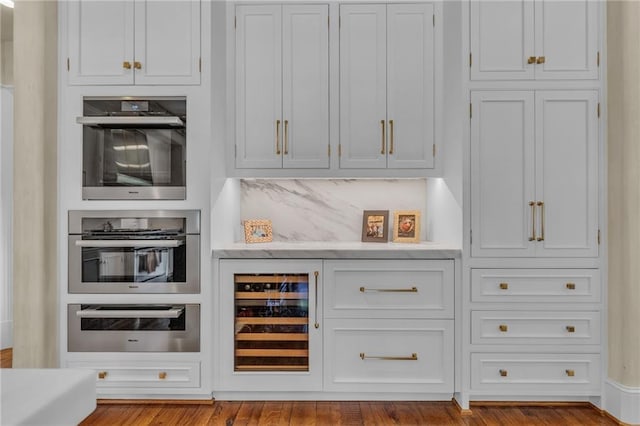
point(162, 375)
point(413, 357)
point(541, 205)
point(102, 374)
point(503, 373)
point(571, 286)
point(571, 329)
point(391, 137)
point(504, 286)
point(137, 65)
point(316, 324)
point(383, 137)
point(531, 60)
point(390, 290)
point(503, 328)
point(286, 137)
point(278, 137)
point(532, 204)
point(570, 373)
point(540, 60)
point(126, 65)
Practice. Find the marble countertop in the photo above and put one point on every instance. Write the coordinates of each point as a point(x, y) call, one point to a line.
point(337, 250)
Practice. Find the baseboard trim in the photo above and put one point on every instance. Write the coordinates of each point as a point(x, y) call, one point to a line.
point(463, 411)
point(531, 404)
point(622, 402)
point(155, 401)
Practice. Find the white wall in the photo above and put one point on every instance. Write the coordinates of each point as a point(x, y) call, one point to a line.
point(6, 195)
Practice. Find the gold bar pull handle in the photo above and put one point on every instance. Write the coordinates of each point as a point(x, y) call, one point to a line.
point(571, 329)
point(162, 375)
point(316, 324)
point(504, 286)
point(137, 65)
point(531, 60)
point(541, 205)
point(391, 137)
point(286, 137)
point(503, 373)
point(540, 60)
point(126, 65)
point(532, 204)
point(503, 328)
point(102, 375)
point(571, 286)
point(570, 373)
point(384, 136)
point(389, 290)
point(413, 357)
point(277, 137)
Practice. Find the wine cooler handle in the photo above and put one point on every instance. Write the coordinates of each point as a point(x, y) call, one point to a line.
point(317, 324)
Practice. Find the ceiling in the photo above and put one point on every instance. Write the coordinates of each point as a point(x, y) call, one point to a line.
point(7, 24)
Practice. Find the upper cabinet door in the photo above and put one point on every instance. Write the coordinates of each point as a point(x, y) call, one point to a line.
point(363, 77)
point(100, 42)
point(567, 173)
point(305, 91)
point(167, 42)
point(502, 40)
point(259, 127)
point(502, 174)
point(410, 85)
point(567, 39)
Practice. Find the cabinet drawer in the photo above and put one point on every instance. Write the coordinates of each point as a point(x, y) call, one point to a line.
point(535, 285)
point(389, 289)
point(535, 327)
point(531, 373)
point(389, 355)
point(143, 374)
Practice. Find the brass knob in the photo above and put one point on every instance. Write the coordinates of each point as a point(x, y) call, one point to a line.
point(126, 65)
point(102, 374)
point(503, 373)
point(503, 328)
point(504, 286)
point(531, 60)
point(137, 65)
point(571, 286)
point(571, 329)
point(540, 60)
point(570, 373)
point(162, 375)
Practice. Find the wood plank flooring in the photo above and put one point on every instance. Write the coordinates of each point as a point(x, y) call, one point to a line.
point(323, 413)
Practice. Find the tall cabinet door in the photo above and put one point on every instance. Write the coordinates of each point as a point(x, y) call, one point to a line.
point(567, 172)
point(259, 124)
point(502, 40)
point(100, 42)
point(410, 85)
point(167, 42)
point(363, 77)
point(502, 173)
point(567, 38)
point(305, 91)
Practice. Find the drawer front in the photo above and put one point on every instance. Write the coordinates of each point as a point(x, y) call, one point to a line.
point(531, 373)
point(389, 355)
point(535, 327)
point(143, 374)
point(389, 289)
point(535, 285)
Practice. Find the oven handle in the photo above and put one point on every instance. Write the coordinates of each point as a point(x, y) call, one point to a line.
point(129, 243)
point(130, 121)
point(133, 313)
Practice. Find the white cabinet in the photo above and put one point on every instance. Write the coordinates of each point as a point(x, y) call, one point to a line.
point(534, 173)
point(387, 97)
point(133, 42)
point(282, 86)
point(142, 374)
point(540, 39)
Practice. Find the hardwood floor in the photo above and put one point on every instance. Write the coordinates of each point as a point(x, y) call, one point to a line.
point(341, 413)
point(6, 356)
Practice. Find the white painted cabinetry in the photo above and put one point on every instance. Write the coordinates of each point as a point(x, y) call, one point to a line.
point(144, 42)
point(282, 86)
point(534, 173)
point(387, 86)
point(540, 39)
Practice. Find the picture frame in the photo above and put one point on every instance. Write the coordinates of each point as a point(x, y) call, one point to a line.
point(406, 226)
point(375, 226)
point(258, 231)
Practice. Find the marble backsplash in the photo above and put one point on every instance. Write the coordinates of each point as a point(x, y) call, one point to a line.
point(327, 209)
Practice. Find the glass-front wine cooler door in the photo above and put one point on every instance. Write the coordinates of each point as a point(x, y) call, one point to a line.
point(271, 322)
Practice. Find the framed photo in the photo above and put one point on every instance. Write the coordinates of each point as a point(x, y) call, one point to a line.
point(258, 231)
point(375, 226)
point(406, 226)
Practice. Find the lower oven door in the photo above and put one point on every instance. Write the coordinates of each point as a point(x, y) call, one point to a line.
point(133, 328)
point(134, 266)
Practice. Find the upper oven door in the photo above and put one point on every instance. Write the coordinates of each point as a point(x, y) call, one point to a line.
point(134, 266)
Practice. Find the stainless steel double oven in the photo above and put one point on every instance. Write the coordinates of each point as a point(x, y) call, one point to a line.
point(132, 252)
